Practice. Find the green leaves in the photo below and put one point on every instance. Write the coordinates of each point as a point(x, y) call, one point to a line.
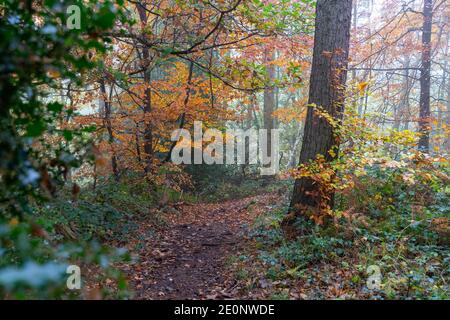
point(68, 135)
point(35, 59)
point(106, 17)
point(35, 129)
point(55, 107)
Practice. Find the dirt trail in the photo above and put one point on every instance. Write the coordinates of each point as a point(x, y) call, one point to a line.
point(188, 260)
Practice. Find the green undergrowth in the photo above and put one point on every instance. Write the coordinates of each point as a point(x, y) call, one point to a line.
point(406, 239)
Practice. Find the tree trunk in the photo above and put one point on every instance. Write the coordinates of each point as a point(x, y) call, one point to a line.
point(443, 95)
point(356, 98)
point(269, 98)
point(447, 118)
point(108, 125)
point(138, 143)
point(424, 113)
point(297, 140)
point(148, 131)
point(401, 106)
point(328, 77)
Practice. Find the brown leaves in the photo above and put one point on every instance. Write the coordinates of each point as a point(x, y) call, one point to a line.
point(158, 255)
point(69, 232)
point(38, 231)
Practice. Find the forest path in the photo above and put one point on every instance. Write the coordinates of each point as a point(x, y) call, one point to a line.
point(188, 259)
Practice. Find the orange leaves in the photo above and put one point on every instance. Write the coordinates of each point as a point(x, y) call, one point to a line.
point(297, 112)
point(175, 98)
point(323, 176)
point(286, 115)
point(13, 222)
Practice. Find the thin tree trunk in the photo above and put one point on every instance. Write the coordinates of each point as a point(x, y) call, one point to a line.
point(424, 113)
point(328, 77)
point(292, 157)
point(269, 98)
point(445, 121)
point(276, 122)
point(138, 144)
point(108, 125)
point(148, 130)
point(447, 118)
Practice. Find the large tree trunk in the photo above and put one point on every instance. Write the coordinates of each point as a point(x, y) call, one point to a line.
point(328, 77)
point(424, 113)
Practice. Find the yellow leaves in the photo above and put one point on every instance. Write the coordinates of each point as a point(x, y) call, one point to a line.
point(405, 138)
point(427, 176)
point(360, 172)
point(318, 170)
point(362, 87)
point(332, 153)
point(326, 176)
point(321, 113)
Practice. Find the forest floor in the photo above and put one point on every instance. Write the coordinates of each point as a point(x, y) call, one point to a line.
point(236, 249)
point(188, 257)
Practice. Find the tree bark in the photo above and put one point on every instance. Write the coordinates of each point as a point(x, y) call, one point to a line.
point(138, 143)
point(148, 130)
point(447, 117)
point(328, 77)
point(269, 98)
point(424, 112)
point(297, 140)
point(400, 106)
point(108, 125)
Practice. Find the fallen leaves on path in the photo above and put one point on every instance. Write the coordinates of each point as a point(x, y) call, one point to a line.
point(187, 258)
